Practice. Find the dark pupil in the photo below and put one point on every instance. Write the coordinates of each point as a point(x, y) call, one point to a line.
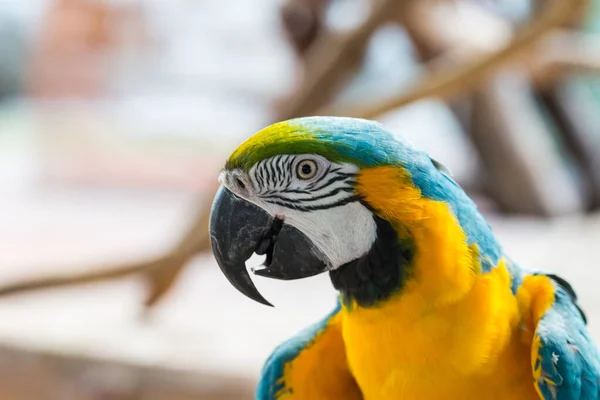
point(306, 169)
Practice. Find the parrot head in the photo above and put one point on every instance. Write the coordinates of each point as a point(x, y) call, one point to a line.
point(333, 194)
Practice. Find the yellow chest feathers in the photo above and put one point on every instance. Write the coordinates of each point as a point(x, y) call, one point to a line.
point(461, 351)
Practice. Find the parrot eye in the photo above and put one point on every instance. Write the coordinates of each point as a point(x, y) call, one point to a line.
point(306, 169)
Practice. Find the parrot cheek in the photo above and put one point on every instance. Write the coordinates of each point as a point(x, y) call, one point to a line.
point(238, 229)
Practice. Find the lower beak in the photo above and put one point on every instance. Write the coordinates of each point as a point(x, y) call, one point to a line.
point(239, 229)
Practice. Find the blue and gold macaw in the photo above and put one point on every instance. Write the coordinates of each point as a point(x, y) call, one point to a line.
point(429, 307)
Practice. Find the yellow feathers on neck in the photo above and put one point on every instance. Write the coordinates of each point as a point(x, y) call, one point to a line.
point(445, 266)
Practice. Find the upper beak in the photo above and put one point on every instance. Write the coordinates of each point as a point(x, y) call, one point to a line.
point(239, 228)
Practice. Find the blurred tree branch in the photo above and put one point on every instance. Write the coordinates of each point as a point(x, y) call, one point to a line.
point(445, 84)
point(159, 273)
point(331, 58)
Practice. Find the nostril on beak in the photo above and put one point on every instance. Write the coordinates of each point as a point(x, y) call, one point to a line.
point(240, 183)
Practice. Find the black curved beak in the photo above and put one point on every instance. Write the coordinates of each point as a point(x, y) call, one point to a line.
point(239, 229)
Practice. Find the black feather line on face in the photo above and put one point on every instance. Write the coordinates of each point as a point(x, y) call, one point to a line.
point(295, 191)
point(270, 173)
point(310, 199)
point(282, 168)
point(278, 171)
point(337, 178)
point(260, 177)
point(289, 175)
point(299, 207)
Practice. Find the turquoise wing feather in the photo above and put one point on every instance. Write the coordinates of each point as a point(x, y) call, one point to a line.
point(270, 385)
point(566, 362)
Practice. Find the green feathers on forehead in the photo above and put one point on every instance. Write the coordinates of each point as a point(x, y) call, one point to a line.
point(361, 142)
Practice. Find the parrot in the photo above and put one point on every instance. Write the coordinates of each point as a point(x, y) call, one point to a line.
point(427, 306)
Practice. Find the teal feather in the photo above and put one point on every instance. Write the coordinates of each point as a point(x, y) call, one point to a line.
point(568, 357)
point(270, 382)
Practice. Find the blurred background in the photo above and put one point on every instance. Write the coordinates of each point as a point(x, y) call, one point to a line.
point(116, 116)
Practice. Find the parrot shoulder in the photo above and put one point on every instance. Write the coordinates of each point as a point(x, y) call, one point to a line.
point(565, 360)
point(310, 365)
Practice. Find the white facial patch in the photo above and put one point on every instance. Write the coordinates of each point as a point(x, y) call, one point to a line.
point(321, 202)
point(343, 233)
